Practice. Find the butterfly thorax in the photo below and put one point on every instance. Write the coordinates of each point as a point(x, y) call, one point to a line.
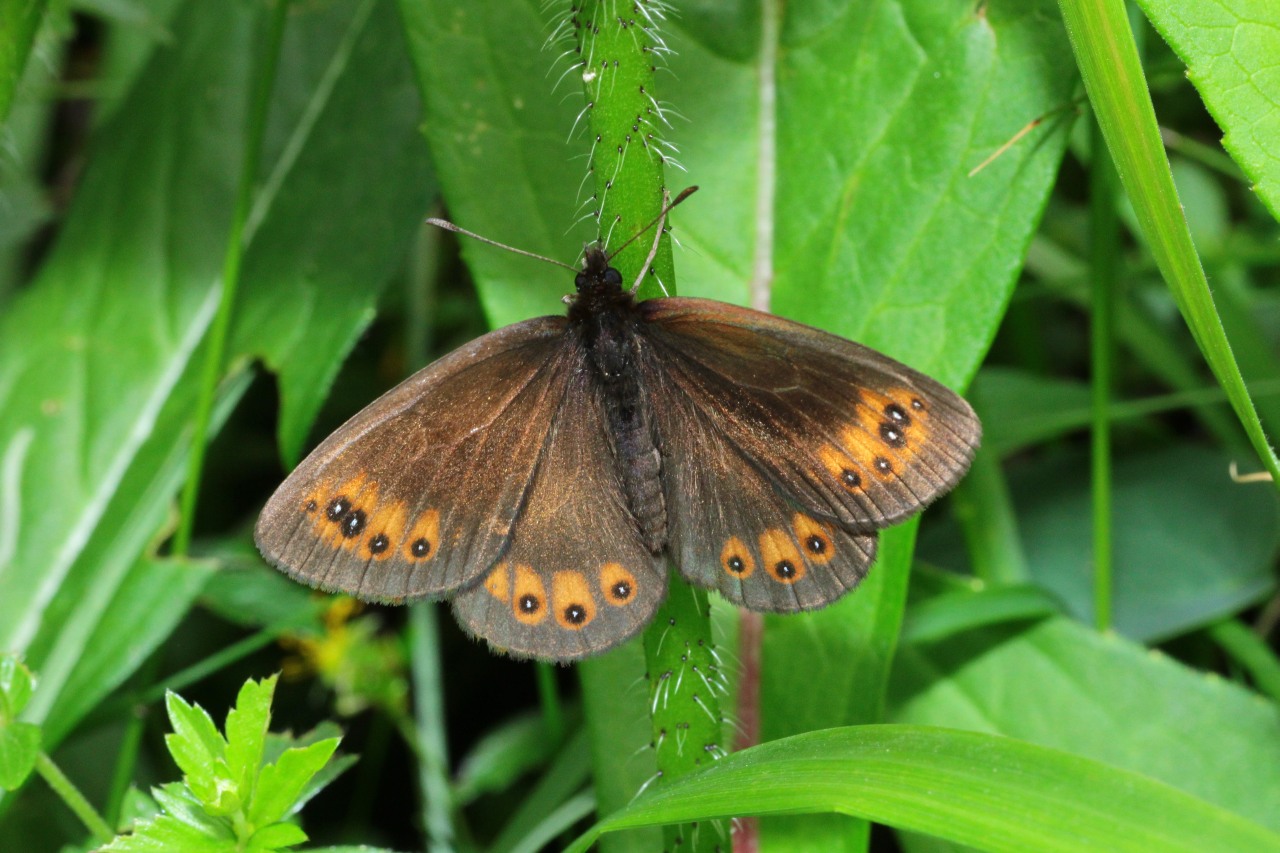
point(605, 318)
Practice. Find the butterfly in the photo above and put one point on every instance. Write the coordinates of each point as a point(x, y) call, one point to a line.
point(542, 475)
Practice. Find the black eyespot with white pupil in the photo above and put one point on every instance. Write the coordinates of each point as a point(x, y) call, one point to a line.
point(898, 415)
point(420, 548)
point(379, 543)
point(621, 590)
point(530, 604)
point(816, 544)
point(575, 614)
point(785, 569)
point(353, 524)
point(892, 435)
point(337, 508)
point(850, 478)
point(736, 564)
point(884, 466)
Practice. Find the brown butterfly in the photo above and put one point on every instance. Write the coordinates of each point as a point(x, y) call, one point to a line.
point(543, 474)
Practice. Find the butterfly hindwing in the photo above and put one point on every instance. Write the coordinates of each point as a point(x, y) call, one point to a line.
point(730, 529)
point(845, 432)
point(576, 578)
point(415, 495)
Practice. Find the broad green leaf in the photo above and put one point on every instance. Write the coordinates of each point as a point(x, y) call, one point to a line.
point(951, 613)
point(993, 793)
point(282, 783)
point(19, 20)
point(1190, 546)
point(1230, 49)
point(616, 716)
point(98, 355)
point(152, 598)
point(1061, 685)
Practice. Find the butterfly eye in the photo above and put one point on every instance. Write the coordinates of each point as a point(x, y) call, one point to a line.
point(580, 281)
point(612, 277)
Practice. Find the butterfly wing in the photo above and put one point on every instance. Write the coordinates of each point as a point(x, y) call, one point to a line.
point(812, 436)
point(415, 495)
point(577, 578)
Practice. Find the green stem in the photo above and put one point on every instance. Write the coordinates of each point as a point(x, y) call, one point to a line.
point(1251, 652)
point(429, 733)
point(626, 120)
point(70, 794)
point(549, 698)
point(983, 506)
point(215, 353)
point(1104, 250)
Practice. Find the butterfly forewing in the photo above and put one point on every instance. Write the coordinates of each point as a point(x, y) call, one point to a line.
point(576, 578)
point(415, 496)
point(841, 430)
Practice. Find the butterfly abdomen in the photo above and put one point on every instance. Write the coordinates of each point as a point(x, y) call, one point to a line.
point(607, 322)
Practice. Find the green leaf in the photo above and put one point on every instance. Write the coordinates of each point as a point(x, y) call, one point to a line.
point(165, 834)
point(502, 756)
point(281, 784)
point(989, 792)
point(1230, 51)
point(19, 749)
point(1108, 59)
point(954, 612)
point(19, 20)
point(277, 836)
point(16, 685)
point(1190, 546)
point(153, 597)
point(177, 801)
point(1059, 684)
point(278, 744)
point(99, 354)
point(246, 734)
point(198, 749)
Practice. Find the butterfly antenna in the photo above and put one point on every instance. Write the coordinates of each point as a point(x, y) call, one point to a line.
point(657, 237)
point(684, 193)
point(449, 226)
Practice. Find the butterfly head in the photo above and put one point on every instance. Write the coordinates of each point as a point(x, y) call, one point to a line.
point(597, 277)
